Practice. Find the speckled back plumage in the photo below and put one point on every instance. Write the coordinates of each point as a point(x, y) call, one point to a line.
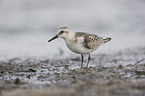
point(91, 40)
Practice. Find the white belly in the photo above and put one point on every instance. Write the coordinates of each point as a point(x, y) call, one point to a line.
point(79, 48)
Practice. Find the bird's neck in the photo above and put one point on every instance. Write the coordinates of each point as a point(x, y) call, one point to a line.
point(70, 37)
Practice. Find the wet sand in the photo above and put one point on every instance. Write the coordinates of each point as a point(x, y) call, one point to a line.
point(118, 74)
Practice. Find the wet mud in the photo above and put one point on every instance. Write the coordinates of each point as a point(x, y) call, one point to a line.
point(118, 74)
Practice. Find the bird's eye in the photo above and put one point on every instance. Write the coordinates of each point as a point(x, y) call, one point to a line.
point(61, 31)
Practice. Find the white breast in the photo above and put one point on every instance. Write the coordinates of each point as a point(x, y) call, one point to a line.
point(78, 47)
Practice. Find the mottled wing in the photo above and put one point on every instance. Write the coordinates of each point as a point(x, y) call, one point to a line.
point(92, 41)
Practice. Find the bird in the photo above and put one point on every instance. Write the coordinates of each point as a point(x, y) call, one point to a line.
point(80, 42)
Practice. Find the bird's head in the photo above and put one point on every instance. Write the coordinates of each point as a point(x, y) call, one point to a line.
point(62, 33)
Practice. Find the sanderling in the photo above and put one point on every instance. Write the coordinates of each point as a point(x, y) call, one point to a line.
point(80, 42)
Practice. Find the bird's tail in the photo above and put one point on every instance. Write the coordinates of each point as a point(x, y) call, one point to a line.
point(106, 40)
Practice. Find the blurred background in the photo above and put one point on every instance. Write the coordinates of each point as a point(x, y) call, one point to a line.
point(26, 25)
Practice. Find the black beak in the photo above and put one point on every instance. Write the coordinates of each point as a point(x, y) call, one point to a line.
point(56, 36)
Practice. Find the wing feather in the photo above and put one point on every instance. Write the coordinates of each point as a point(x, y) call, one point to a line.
point(92, 41)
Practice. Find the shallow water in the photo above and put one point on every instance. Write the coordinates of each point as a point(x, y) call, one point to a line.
point(45, 71)
point(121, 71)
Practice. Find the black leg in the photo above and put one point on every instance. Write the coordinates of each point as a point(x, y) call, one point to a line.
point(82, 60)
point(88, 60)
